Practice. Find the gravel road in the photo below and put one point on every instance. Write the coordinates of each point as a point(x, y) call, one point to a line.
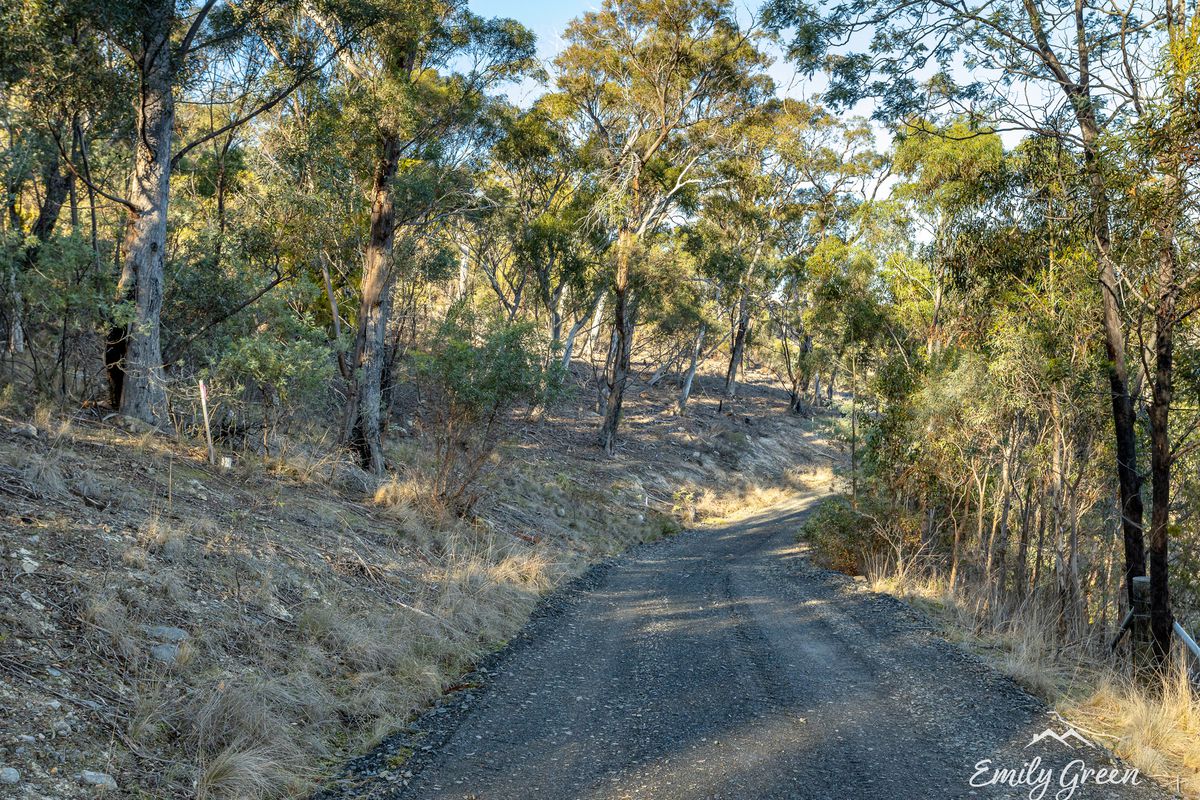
point(720, 664)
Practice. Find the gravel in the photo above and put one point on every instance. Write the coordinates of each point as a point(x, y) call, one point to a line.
point(721, 664)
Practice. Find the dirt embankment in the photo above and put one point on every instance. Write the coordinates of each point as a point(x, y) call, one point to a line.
point(168, 629)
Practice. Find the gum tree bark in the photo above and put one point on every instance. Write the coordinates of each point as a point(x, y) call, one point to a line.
point(625, 319)
point(739, 346)
point(686, 390)
point(363, 429)
point(133, 356)
point(1161, 457)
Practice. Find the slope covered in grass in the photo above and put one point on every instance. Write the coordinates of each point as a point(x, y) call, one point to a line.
point(180, 630)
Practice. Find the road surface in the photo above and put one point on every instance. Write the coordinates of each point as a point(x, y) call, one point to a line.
point(721, 664)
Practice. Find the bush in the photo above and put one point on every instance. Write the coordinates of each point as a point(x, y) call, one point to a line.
point(264, 377)
point(841, 538)
point(476, 373)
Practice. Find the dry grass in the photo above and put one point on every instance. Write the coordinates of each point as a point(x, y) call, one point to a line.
point(406, 501)
point(42, 474)
point(242, 771)
point(745, 495)
point(323, 608)
point(262, 734)
point(1154, 727)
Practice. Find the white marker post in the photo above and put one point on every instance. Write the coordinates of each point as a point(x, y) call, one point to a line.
point(212, 454)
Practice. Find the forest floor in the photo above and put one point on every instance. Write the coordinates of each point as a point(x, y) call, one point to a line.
point(722, 665)
point(169, 629)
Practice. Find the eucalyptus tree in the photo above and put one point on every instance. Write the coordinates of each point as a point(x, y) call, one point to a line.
point(415, 85)
point(798, 176)
point(744, 218)
point(1073, 70)
point(528, 237)
point(164, 45)
point(655, 87)
point(947, 176)
point(56, 88)
point(551, 190)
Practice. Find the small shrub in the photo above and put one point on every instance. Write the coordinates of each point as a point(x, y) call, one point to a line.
point(261, 379)
point(477, 373)
point(684, 505)
point(841, 538)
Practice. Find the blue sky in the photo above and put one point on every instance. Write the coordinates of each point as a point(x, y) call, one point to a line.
point(548, 19)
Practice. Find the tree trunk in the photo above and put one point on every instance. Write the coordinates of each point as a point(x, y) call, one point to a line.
point(853, 434)
point(363, 429)
point(59, 185)
point(1161, 621)
point(1114, 344)
point(464, 272)
point(998, 552)
point(16, 331)
point(739, 347)
point(554, 310)
point(686, 390)
point(569, 344)
point(625, 317)
point(935, 320)
point(1021, 567)
point(594, 328)
point(133, 356)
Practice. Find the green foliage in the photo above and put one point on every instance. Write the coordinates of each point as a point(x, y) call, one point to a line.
point(841, 538)
point(261, 379)
point(64, 301)
point(477, 372)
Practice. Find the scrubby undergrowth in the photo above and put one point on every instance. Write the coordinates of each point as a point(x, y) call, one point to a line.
point(190, 631)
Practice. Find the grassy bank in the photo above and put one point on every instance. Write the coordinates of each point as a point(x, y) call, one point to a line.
point(181, 630)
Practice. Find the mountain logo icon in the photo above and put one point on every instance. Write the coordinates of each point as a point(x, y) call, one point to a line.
point(1070, 737)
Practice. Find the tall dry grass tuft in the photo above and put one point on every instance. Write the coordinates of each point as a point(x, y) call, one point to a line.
point(1155, 728)
point(42, 475)
point(241, 771)
point(407, 501)
point(486, 585)
point(262, 734)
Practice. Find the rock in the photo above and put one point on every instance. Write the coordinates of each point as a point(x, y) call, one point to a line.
point(166, 653)
point(32, 601)
point(29, 566)
point(167, 633)
point(134, 425)
point(61, 727)
point(25, 429)
point(9, 776)
point(101, 779)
